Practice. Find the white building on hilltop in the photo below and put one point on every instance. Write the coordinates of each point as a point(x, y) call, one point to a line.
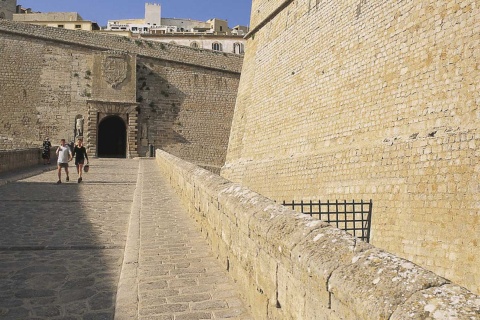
point(65, 20)
point(213, 34)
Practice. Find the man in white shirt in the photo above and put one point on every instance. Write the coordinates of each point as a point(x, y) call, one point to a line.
point(64, 155)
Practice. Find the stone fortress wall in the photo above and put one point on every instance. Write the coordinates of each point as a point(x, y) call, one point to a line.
point(290, 266)
point(7, 9)
point(169, 96)
point(369, 100)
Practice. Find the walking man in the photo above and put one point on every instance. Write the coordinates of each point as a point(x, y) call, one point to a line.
point(64, 155)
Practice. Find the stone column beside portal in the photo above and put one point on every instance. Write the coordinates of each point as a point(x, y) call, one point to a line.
point(132, 131)
point(91, 133)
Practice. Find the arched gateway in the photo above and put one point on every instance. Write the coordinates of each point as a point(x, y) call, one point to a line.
point(112, 138)
point(112, 129)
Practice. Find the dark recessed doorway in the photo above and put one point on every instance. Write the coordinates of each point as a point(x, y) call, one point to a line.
point(112, 138)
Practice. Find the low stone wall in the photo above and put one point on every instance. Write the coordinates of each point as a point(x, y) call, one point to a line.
point(18, 159)
point(289, 266)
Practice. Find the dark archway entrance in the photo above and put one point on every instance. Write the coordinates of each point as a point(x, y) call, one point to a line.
point(112, 138)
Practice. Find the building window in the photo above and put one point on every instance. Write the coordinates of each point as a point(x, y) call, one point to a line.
point(238, 48)
point(194, 44)
point(78, 26)
point(221, 28)
point(61, 26)
point(216, 46)
point(134, 29)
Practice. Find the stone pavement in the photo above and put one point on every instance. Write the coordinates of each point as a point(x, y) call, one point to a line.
point(117, 246)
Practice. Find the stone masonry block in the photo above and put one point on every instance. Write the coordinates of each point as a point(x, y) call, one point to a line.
point(315, 306)
point(286, 231)
point(236, 198)
point(290, 295)
point(245, 209)
point(375, 283)
point(446, 302)
point(322, 252)
point(264, 274)
point(244, 250)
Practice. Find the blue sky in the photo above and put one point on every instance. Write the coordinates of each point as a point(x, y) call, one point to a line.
point(237, 12)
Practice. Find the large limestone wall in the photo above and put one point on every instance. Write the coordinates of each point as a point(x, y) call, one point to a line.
point(186, 111)
point(46, 84)
point(43, 86)
point(177, 98)
point(7, 9)
point(289, 266)
point(369, 100)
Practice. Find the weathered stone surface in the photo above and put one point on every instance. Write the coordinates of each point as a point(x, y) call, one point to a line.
point(292, 267)
point(440, 303)
point(369, 100)
point(375, 283)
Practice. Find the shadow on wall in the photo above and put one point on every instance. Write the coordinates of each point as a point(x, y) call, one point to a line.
point(159, 107)
point(57, 254)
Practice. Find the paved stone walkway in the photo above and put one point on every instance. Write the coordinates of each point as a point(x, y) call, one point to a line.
point(117, 246)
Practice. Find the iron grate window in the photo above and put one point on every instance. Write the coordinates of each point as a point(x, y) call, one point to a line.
point(354, 217)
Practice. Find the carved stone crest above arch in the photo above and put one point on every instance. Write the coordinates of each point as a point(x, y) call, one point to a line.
point(114, 77)
point(114, 68)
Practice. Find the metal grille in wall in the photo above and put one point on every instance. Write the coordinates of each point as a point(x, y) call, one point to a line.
point(354, 217)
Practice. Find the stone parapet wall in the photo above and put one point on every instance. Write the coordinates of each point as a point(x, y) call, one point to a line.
point(181, 54)
point(289, 266)
point(44, 85)
point(17, 159)
point(369, 100)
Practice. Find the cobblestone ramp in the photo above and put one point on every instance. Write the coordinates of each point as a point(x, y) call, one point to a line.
point(61, 246)
point(177, 276)
point(66, 249)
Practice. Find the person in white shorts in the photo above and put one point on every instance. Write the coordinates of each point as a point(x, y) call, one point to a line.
point(64, 155)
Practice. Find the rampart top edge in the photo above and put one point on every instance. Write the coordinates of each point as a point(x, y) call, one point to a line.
point(220, 61)
point(268, 18)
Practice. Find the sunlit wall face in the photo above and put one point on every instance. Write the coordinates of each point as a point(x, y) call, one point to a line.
point(360, 100)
